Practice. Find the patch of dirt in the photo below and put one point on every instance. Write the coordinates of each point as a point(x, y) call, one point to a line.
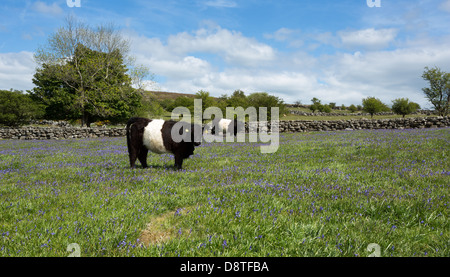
point(158, 230)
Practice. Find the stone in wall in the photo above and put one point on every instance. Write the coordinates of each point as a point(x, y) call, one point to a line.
point(39, 133)
point(292, 126)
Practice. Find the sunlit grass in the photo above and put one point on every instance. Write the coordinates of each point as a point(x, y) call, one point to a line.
point(320, 194)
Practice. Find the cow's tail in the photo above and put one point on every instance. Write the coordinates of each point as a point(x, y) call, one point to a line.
point(130, 122)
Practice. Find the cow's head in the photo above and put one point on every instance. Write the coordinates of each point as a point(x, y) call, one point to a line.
point(187, 132)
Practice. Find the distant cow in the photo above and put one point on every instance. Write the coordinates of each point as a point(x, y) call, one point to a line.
point(156, 135)
point(227, 125)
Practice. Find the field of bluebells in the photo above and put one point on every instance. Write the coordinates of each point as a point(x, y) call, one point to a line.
point(321, 194)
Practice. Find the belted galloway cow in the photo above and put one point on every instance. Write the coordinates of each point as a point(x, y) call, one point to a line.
point(161, 136)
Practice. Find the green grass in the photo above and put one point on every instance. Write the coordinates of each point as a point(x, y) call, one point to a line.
point(321, 194)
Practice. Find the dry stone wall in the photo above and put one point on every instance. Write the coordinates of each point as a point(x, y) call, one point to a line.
point(358, 124)
point(302, 113)
point(42, 133)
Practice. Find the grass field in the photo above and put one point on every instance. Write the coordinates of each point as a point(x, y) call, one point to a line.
point(320, 194)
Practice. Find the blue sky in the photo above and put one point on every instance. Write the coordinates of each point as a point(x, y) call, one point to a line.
point(338, 51)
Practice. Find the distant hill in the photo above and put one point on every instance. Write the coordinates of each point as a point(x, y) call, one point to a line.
point(162, 95)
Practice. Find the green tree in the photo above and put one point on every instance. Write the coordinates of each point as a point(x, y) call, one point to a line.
point(404, 107)
point(150, 108)
point(87, 71)
point(325, 108)
point(18, 108)
point(439, 91)
point(238, 99)
point(183, 101)
point(373, 105)
point(316, 105)
point(51, 92)
point(352, 108)
point(263, 99)
point(167, 103)
point(298, 103)
point(222, 103)
point(207, 100)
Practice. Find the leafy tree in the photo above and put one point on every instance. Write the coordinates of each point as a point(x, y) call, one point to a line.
point(150, 108)
point(439, 91)
point(167, 103)
point(238, 99)
point(103, 93)
point(222, 102)
point(18, 108)
point(256, 100)
point(207, 100)
point(404, 107)
point(316, 105)
point(373, 105)
point(352, 108)
point(85, 70)
point(263, 99)
point(51, 92)
point(298, 103)
point(183, 101)
point(325, 108)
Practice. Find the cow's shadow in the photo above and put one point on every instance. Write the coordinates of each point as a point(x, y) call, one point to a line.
point(158, 166)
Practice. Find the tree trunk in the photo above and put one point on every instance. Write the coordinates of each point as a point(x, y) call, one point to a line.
point(85, 119)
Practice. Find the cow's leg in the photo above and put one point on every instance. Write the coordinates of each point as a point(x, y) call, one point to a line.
point(133, 153)
point(143, 151)
point(178, 161)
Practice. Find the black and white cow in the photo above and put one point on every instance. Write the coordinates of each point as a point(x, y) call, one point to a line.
point(156, 135)
point(227, 125)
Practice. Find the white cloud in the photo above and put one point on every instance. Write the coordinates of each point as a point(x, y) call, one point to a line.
point(53, 9)
point(287, 35)
point(344, 78)
point(367, 38)
point(232, 46)
point(364, 39)
point(341, 77)
point(180, 65)
point(386, 74)
point(445, 5)
point(283, 84)
point(16, 70)
point(282, 34)
point(221, 4)
point(186, 68)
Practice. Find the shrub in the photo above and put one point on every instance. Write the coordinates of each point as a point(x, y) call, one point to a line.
point(352, 108)
point(18, 108)
point(404, 107)
point(373, 105)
